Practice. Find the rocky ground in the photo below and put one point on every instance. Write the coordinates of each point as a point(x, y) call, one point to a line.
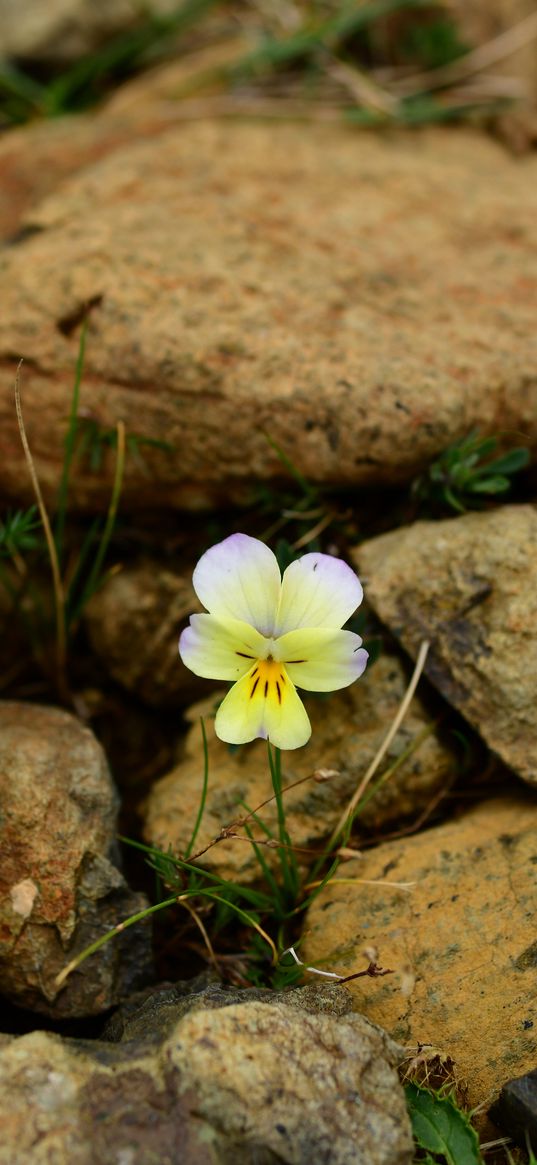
point(292, 325)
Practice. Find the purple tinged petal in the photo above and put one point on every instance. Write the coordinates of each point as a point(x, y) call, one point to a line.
point(317, 591)
point(239, 578)
point(220, 650)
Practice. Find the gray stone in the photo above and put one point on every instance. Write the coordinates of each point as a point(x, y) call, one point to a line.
point(234, 1078)
point(469, 585)
point(516, 1110)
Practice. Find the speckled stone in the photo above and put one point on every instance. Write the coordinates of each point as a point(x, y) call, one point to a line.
point(469, 585)
point(364, 300)
point(147, 605)
point(60, 887)
point(210, 1077)
point(461, 942)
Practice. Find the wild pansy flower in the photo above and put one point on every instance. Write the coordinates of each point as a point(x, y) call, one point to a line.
point(271, 635)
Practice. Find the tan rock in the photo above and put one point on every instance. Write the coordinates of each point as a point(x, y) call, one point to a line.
point(228, 1076)
point(36, 158)
point(59, 886)
point(461, 943)
point(469, 585)
point(361, 300)
point(134, 622)
point(63, 30)
point(348, 727)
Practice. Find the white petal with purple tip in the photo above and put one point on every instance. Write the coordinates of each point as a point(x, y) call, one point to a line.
point(239, 578)
point(220, 651)
point(317, 591)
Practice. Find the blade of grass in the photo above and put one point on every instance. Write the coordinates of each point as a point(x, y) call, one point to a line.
point(100, 942)
point(309, 491)
point(286, 856)
point(246, 918)
point(94, 578)
point(265, 868)
point(70, 444)
point(79, 86)
point(258, 899)
point(59, 597)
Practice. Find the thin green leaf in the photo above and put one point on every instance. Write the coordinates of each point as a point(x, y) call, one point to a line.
point(511, 462)
point(489, 485)
point(17, 532)
point(265, 868)
point(453, 501)
point(256, 897)
point(84, 82)
point(95, 578)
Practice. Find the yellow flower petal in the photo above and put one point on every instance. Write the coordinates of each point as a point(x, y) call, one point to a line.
point(320, 659)
point(264, 703)
point(239, 578)
point(220, 650)
point(317, 591)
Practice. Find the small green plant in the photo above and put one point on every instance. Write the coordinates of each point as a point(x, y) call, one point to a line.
point(261, 919)
point(18, 532)
point(442, 1131)
point(467, 473)
point(73, 583)
point(94, 440)
point(434, 43)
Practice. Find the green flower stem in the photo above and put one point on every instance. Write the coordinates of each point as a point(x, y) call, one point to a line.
point(203, 797)
point(285, 851)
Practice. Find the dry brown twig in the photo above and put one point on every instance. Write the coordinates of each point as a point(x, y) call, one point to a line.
point(381, 752)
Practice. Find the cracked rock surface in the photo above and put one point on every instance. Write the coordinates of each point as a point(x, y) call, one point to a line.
point(211, 1077)
point(460, 941)
point(60, 887)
